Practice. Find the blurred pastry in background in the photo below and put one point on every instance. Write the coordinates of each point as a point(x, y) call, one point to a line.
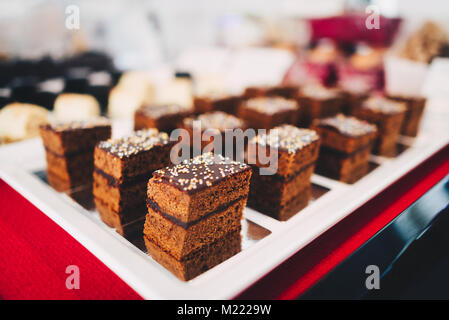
point(428, 42)
point(320, 62)
point(76, 107)
point(363, 69)
point(19, 121)
point(316, 101)
point(216, 102)
point(287, 91)
point(354, 93)
point(268, 112)
point(415, 109)
point(366, 58)
point(388, 116)
point(210, 94)
point(164, 118)
point(175, 91)
point(133, 90)
point(323, 51)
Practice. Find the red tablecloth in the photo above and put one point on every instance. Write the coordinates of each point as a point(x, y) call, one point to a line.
point(35, 251)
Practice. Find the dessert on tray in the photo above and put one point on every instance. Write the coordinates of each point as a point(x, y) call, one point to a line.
point(216, 123)
point(415, 108)
point(318, 102)
point(69, 151)
point(285, 91)
point(286, 190)
point(76, 107)
point(163, 117)
point(194, 213)
point(216, 102)
point(388, 116)
point(122, 169)
point(354, 93)
point(268, 112)
point(19, 121)
point(346, 144)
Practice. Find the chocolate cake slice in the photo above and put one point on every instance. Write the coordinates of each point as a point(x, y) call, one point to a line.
point(388, 116)
point(69, 151)
point(318, 102)
point(122, 169)
point(199, 260)
point(346, 144)
point(162, 117)
point(268, 112)
point(216, 102)
point(412, 119)
point(217, 124)
point(282, 189)
point(196, 203)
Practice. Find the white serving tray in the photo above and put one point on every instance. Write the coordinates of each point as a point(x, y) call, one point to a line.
point(20, 161)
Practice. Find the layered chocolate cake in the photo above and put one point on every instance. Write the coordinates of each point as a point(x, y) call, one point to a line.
point(194, 213)
point(216, 102)
point(415, 109)
point(346, 144)
point(388, 116)
point(122, 169)
point(217, 124)
point(69, 151)
point(318, 102)
point(285, 91)
point(164, 117)
point(268, 112)
point(284, 189)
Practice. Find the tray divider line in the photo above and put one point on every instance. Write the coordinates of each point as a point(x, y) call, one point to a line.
point(328, 183)
point(261, 219)
point(379, 159)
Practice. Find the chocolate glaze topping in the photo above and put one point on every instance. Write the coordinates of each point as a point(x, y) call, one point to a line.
point(139, 141)
point(200, 172)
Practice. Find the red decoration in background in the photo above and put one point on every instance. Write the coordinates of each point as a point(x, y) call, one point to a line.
point(352, 29)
